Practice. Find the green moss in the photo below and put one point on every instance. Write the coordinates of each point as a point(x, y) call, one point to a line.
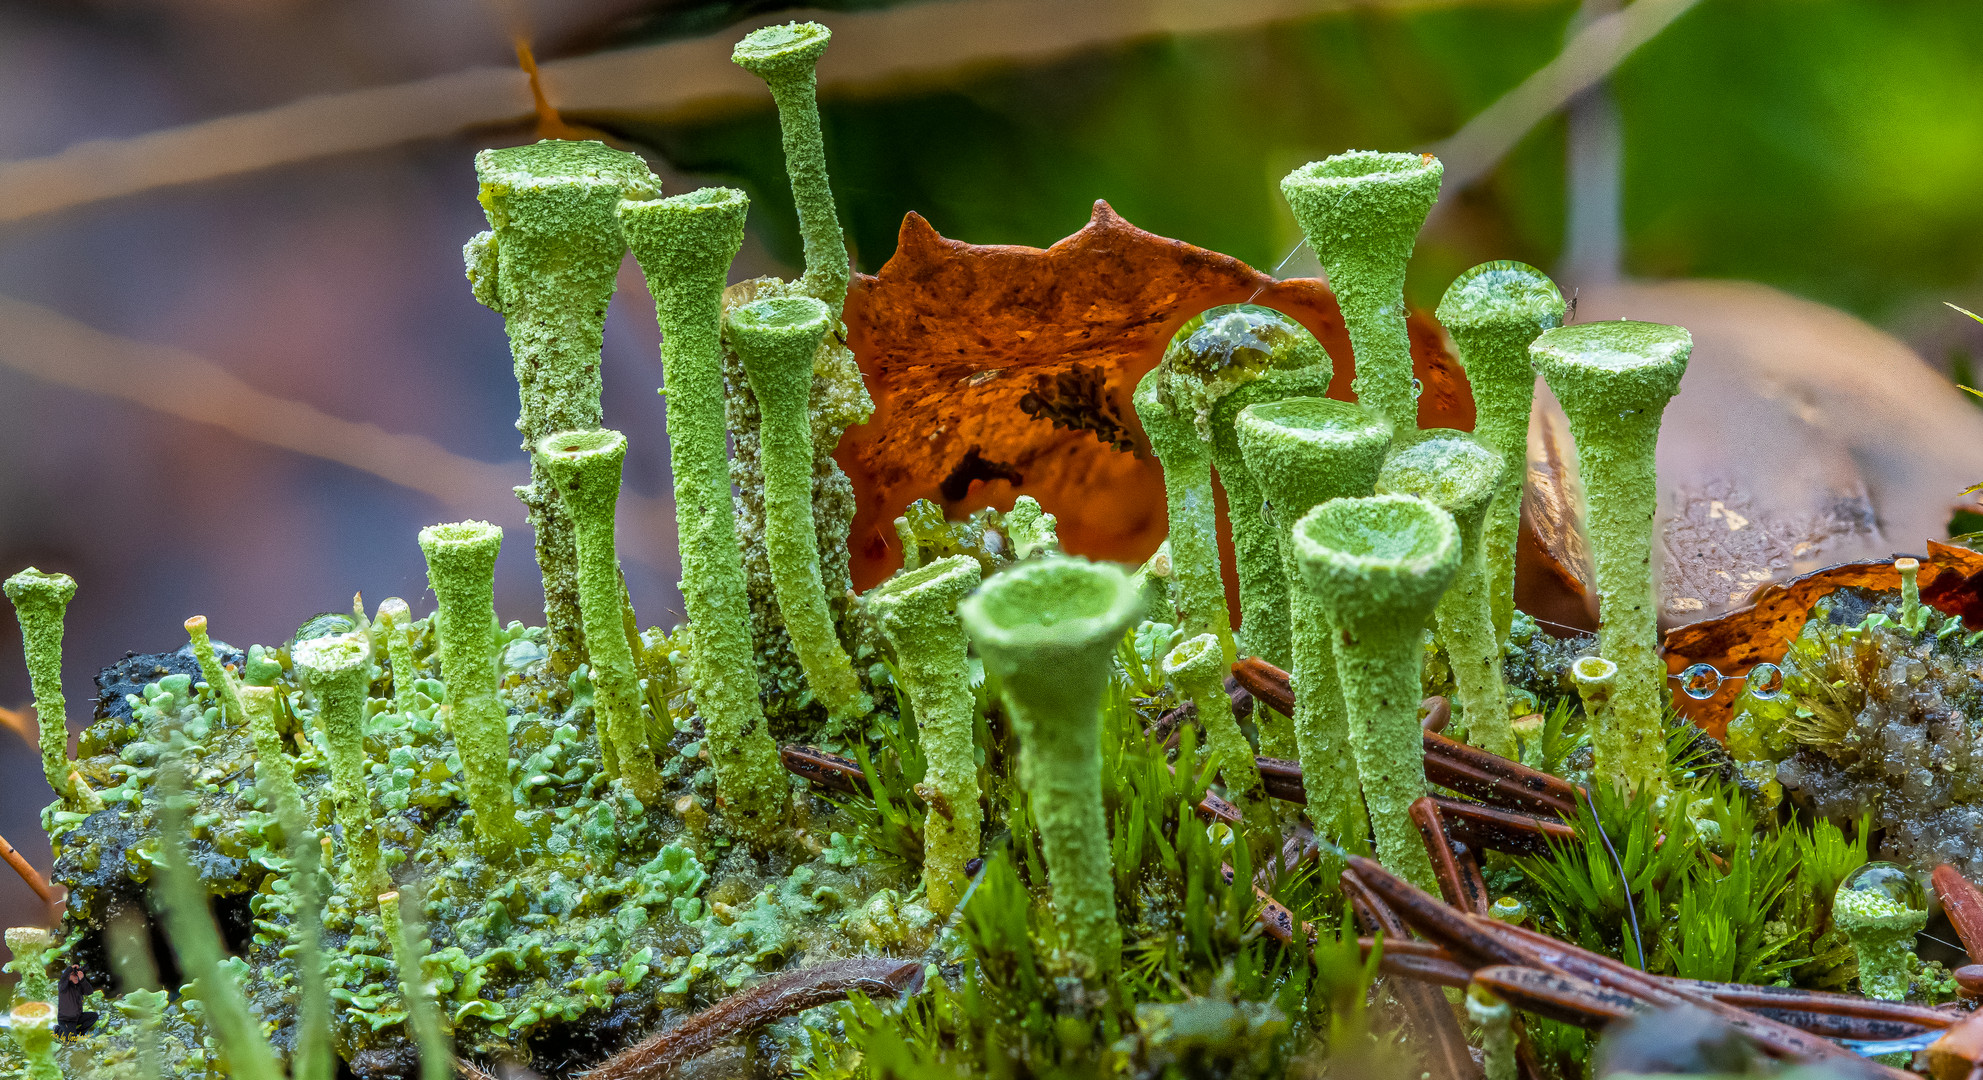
point(1494, 311)
point(684, 246)
point(1304, 452)
point(549, 265)
point(1614, 380)
point(1361, 212)
point(1379, 566)
point(1460, 476)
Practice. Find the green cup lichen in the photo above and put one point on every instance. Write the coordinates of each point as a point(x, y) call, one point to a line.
point(1031, 530)
point(1881, 907)
point(785, 57)
point(394, 624)
point(1596, 679)
point(916, 610)
point(1196, 577)
point(336, 670)
point(776, 339)
point(1614, 380)
point(1227, 359)
point(30, 945)
point(1912, 614)
point(684, 246)
point(1494, 312)
point(1047, 629)
point(40, 601)
point(217, 678)
point(1197, 667)
point(461, 567)
point(1304, 452)
point(1379, 566)
point(548, 265)
point(1460, 476)
point(587, 467)
point(1361, 212)
point(32, 1023)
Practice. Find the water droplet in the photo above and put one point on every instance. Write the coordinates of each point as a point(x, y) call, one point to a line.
point(322, 625)
point(1509, 910)
point(1417, 388)
point(1766, 681)
point(1700, 681)
point(1889, 880)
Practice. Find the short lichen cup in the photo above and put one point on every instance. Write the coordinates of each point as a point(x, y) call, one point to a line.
point(684, 246)
point(1361, 212)
point(776, 339)
point(33, 1026)
point(586, 466)
point(916, 611)
point(1596, 678)
point(1614, 380)
point(1197, 667)
point(336, 670)
point(1303, 452)
point(1240, 355)
point(1379, 566)
point(1494, 312)
point(1200, 587)
point(1881, 907)
point(1460, 476)
point(1047, 630)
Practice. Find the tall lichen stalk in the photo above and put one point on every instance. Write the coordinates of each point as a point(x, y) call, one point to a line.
point(336, 672)
point(684, 246)
point(1199, 588)
point(548, 265)
point(40, 601)
point(1614, 380)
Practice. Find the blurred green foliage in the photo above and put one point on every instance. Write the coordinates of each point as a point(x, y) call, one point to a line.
point(1829, 147)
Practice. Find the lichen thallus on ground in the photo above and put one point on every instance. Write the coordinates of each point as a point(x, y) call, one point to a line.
point(444, 836)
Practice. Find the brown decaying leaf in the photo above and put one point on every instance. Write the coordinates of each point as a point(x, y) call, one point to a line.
point(1762, 631)
point(990, 362)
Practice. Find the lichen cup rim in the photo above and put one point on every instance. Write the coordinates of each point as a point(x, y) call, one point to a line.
point(333, 654)
point(1088, 601)
point(777, 318)
point(933, 576)
point(1363, 167)
point(570, 445)
point(1317, 421)
point(1187, 656)
point(780, 47)
point(1382, 550)
point(587, 162)
point(1588, 668)
point(702, 200)
point(1614, 347)
point(1461, 485)
point(1500, 291)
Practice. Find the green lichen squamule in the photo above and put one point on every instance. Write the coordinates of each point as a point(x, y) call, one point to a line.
point(1457, 474)
point(1304, 452)
point(40, 601)
point(776, 341)
point(917, 611)
point(1194, 518)
point(1379, 566)
point(684, 246)
point(1031, 530)
point(548, 265)
point(461, 568)
point(785, 57)
point(1240, 356)
point(1361, 213)
point(1494, 311)
point(395, 625)
point(1614, 380)
point(336, 670)
point(1047, 629)
point(587, 467)
point(1198, 667)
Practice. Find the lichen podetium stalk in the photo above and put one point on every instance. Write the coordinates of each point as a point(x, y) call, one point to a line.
point(1303, 452)
point(548, 265)
point(30, 945)
point(32, 1023)
point(1595, 679)
point(336, 670)
point(776, 340)
point(1238, 356)
point(917, 611)
point(40, 601)
point(785, 58)
point(587, 466)
point(1912, 614)
point(461, 568)
point(1048, 630)
point(1494, 311)
point(1614, 380)
point(1379, 565)
point(1198, 667)
point(684, 246)
point(184, 907)
point(1460, 476)
point(395, 623)
point(218, 680)
point(1194, 518)
point(275, 780)
point(1361, 212)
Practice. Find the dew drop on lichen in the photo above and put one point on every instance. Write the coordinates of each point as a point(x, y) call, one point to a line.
point(1509, 910)
point(1700, 681)
point(326, 624)
point(1889, 880)
point(1766, 681)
